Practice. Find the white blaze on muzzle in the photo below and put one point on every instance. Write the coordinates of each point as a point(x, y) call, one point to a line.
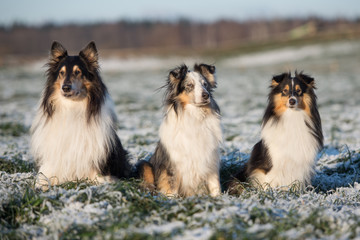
point(202, 96)
point(292, 102)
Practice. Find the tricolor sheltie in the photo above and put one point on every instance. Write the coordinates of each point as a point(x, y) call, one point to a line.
point(186, 160)
point(74, 131)
point(291, 134)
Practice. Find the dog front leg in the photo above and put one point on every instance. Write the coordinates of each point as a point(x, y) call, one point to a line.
point(164, 185)
point(45, 179)
point(213, 185)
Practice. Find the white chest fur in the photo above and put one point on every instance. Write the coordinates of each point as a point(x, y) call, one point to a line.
point(292, 148)
point(192, 140)
point(67, 145)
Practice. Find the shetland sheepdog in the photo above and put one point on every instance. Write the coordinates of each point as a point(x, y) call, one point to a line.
point(291, 135)
point(186, 160)
point(74, 131)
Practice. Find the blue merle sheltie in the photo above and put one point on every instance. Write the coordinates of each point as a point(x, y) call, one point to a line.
point(74, 131)
point(186, 161)
point(291, 135)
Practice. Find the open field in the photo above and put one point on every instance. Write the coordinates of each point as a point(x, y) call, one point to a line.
point(330, 209)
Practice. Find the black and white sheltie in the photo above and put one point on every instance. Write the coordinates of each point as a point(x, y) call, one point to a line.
point(291, 134)
point(186, 160)
point(73, 133)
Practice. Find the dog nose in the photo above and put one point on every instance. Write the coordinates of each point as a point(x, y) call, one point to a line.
point(66, 88)
point(292, 101)
point(205, 95)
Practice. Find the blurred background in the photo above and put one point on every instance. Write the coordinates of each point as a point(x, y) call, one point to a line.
point(213, 28)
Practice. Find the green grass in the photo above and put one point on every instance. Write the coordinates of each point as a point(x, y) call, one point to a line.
point(126, 210)
point(13, 129)
point(23, 208)
point(16, 164)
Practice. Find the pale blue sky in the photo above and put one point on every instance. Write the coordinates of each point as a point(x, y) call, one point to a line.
point(82, 11)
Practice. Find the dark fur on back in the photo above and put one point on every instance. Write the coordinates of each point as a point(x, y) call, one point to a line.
point(259, 159)
point(117, 163)
point(161, 162)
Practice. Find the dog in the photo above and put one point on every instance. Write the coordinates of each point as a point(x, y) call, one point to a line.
point(73, 135)
point(186, 160)
point(291, 135)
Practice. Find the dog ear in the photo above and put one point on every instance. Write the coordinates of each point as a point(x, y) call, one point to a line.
point(306, 78)
point(277, 79)
point(178, 74)
point(90, 55)
point(208, 71)
point(57, 53)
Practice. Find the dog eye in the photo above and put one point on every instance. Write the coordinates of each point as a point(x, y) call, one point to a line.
point(77, 72)
point(62, 73)
point(205, 84)
point(298, 91)
point(285, 91)
point(190, 86)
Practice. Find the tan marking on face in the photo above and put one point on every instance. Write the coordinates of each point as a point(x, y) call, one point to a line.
point(62, 74)
point(280, 104)
point(184, 98)
point(60, 80)
point(76, 70)
point(286, 90)
point(62, 71)
point(163, 183)
point(298, 89)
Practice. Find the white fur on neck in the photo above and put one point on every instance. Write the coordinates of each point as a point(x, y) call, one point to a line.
point(192, 140)
point(67, 146)
point(292, 148)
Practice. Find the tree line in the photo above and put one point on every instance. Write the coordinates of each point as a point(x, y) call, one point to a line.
point(24, 40)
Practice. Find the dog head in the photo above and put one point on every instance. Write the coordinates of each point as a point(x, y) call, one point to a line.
point(73, 74)
point(191, 87)
point(295, 93)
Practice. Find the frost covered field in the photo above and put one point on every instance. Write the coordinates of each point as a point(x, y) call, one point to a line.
point(330, 209)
